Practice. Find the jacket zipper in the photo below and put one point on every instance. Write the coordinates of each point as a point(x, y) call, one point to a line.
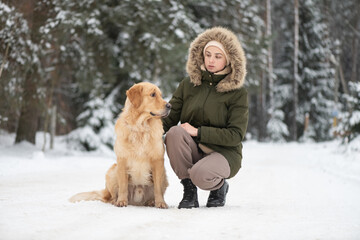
point(209, 90)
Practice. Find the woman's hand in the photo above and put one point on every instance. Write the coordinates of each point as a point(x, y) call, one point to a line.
point(190, 129)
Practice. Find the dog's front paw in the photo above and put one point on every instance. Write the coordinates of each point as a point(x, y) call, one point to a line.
point(121, 203)
point(161, 205)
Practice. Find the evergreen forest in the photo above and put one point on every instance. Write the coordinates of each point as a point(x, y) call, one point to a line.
point(65, 65)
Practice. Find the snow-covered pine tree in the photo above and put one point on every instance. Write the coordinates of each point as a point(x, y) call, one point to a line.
point(75, 35)
point(15, 57)
point(34, 15)
point(353, 123)
point(150, 40)
point(316, 74)
point(344, 20)
point(66, 47)
point(276, 129)
point(316, 89)
point(283, 54)
point(96, 122)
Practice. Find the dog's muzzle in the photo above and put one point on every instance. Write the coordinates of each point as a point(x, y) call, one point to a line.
point(165, 113)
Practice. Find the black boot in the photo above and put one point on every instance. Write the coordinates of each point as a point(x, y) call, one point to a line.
point(190, 198)
point(217, 197)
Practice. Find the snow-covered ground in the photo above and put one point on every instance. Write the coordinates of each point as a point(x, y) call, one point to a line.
point(283, 191)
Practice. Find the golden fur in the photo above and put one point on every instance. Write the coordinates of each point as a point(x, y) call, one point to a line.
point(139, 176)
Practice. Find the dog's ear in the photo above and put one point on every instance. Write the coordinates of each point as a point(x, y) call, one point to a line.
point(134, 95)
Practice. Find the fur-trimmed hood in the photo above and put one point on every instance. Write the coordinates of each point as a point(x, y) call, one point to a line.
point(236, 78)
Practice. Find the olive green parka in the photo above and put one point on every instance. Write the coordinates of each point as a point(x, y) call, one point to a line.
point(216, 104)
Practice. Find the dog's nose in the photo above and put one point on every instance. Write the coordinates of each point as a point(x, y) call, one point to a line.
point(168, 105)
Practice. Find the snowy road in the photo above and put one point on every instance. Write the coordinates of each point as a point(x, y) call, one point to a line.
point(283, 191)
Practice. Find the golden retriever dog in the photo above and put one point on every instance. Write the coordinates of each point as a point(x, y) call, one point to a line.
point(139, 176)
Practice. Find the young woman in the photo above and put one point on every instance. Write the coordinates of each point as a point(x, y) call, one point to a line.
point(212, 107)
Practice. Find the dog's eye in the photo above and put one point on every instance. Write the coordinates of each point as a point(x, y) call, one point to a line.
point(153, 94)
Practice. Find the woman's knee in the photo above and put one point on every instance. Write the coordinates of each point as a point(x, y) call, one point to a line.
point(208, 173)
point(173, 133)
point(201, 177)
point(175, 130)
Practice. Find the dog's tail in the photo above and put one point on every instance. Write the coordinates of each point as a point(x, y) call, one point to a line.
point(102, 195)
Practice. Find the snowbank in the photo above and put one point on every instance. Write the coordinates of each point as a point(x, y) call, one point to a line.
point(283, 191)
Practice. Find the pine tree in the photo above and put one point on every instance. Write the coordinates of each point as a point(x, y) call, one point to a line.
point(35, 16)
point(276, 129)
point(15, 57)
point(316, 72)
point(96, 131)
point(283, 22)
point(149, 42)
point(353, 123)
point(83, 55)
point(344, 21)
point(64, 49)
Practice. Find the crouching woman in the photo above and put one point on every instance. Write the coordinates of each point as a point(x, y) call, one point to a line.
point(212, 106)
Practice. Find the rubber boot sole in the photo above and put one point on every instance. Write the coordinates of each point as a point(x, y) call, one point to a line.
point(195, 205)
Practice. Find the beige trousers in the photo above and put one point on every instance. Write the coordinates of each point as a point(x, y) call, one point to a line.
point(207, 171)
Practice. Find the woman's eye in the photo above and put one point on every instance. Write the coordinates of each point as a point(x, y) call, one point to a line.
point(153, 94)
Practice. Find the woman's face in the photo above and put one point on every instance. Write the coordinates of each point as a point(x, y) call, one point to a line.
point(214, 58)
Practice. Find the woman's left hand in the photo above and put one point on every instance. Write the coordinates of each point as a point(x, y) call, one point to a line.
point(190, 129)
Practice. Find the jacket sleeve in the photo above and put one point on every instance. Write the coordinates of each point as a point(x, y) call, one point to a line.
point(176, 107)
point(236, 127)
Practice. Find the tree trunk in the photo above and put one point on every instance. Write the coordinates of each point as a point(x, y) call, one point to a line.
point(295, 83)
point(262, 108)
point(52, 126)
point(50, 105)
point(5, 58)
point(28, 121)
point(355, 49)
point(270, 58)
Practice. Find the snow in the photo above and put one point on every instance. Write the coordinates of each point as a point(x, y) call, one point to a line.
point(355, 118)
point(283, 191)
point(5, 8)
point(179, 33)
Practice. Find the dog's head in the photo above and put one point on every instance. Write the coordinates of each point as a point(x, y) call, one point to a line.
point(146, 98)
